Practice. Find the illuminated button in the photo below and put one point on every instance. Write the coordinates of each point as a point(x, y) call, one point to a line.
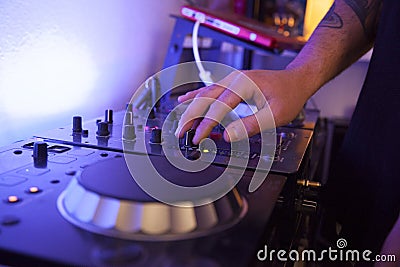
point(34, 190)
point(13, 199)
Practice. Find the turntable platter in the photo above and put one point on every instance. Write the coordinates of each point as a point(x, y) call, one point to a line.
point(105, 199)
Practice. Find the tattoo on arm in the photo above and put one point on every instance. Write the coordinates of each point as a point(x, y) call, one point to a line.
point(332, 19)
point(367, 12)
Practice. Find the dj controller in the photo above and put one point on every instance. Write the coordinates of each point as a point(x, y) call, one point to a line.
point(68, 197)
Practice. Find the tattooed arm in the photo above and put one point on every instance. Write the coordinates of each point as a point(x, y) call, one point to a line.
point(345, 34)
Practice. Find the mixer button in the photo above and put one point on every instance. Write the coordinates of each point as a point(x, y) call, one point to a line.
point(13, 199)
point(33, 190)
point(17, 152)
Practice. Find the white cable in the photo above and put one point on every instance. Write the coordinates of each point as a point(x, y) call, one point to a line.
point(204, 75)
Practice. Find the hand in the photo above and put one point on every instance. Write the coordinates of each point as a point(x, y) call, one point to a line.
point(278, 96)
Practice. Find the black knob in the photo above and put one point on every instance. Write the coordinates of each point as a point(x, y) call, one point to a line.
point(156, 136)
point(102, 129)
point(188, 138)
point(129, 132)
point(40, 154)
point(128, 118)
point(109, 116)
point(77, 124)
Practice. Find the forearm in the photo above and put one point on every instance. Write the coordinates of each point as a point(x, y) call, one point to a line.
point(345, 34)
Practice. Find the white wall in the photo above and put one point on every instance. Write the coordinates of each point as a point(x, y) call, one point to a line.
point(67, 57)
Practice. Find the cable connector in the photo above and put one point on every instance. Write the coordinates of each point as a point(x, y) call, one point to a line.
point(200, 17)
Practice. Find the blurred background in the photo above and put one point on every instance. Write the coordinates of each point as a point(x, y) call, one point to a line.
point(69, 57)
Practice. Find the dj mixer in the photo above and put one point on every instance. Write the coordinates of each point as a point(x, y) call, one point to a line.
point(68, 197)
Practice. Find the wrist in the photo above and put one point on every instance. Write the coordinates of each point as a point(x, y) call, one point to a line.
point(304, 80)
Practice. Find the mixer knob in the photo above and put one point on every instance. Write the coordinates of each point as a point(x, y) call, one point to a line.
point(40, 150)
point(102, 129)
point(40, 154)
point(109, 116)
point(188, 139)
point(156, 136)
point(77, 124)
point(129, 132)
point(128, 118)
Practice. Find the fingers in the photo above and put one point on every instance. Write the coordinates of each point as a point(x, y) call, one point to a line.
point(215, 101)
point(197, 108)
point(246, 127)
point(189, 95)
point(224, 104)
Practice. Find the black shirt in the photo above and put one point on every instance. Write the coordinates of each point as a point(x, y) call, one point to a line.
point(366, 187)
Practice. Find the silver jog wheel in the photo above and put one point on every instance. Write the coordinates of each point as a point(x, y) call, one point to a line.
point(104, 199)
